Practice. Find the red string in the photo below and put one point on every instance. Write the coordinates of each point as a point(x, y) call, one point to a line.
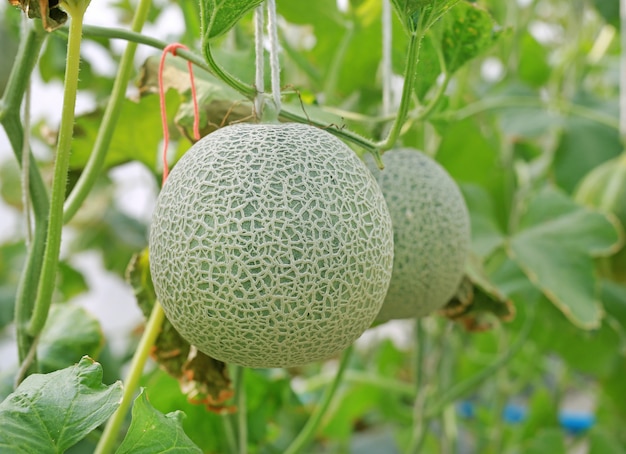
point(196, 115)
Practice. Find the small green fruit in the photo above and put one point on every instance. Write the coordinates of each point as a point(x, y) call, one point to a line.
point(431, 233)
point(271, 245)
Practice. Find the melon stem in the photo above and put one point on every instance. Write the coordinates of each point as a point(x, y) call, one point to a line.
point(153, 328)
point(313, 423)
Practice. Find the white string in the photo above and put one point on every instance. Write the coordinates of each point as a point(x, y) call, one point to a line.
point(259, 80)
point(272, 31)
point(386, 57)
point(26, 153)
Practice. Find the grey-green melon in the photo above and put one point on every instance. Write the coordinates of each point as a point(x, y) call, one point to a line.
point(271, 245)
point(431, 233)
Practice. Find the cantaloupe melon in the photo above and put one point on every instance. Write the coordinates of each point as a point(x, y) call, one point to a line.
point(271, 245)
point(431, 233)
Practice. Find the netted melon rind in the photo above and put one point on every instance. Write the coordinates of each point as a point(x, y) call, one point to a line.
point(431, 233)
point(271, 245)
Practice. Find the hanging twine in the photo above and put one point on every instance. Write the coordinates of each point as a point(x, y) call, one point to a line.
point(272, 31)
point(196, 115)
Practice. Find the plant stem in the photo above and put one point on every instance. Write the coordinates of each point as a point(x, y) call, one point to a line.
point(55, 219)
point(127, 35)
point(229, 433)
point(19, 78)
point(311, 426)
point(527, 101)
point(463, 388)
point(242, 423)
point(420, 421)
point(109, 120)
point(153, 327)
point(245, 89)
point(248, 91)
point(415, 41)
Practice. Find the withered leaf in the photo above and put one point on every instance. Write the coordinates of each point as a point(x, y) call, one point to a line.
point(477, 300)
point(51, 15)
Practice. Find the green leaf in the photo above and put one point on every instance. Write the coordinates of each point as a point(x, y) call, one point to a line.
point(136, 137)
point(70, 333)
point(533, 67)
point(70, 282)
point(165, 395)
point(411, 12)
point(468, 31)
point(428, 67)
point(219, 16)
point(51, 412)
point(470, 157)
point(555, 247)
point(585, 144)
point(151, 431)
point(609, 9)
point(486, 233)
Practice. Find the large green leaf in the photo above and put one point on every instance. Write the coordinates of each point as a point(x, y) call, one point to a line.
point(584, 144)
point(51, 412)
point(219, 16)
point(151, 431)
point(555, 247)
point(471, 157)
point(486, 233)
point(70, 333)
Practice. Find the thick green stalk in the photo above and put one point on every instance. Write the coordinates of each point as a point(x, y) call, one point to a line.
point(153, 328)
point(109, 120)
point(311, 426)
point(55, 219)
point(25, 61)
point(415, 41)
point(247, 90)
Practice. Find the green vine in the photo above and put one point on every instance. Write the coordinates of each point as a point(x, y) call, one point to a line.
point(76, 9)
point(410, 70)
point(109, 120)
point(311, 426)
point(26, 59)
point(131, 382)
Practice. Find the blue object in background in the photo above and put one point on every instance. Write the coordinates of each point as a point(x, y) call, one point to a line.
point(514, 413)
point(465, 409)
point(576, 422)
